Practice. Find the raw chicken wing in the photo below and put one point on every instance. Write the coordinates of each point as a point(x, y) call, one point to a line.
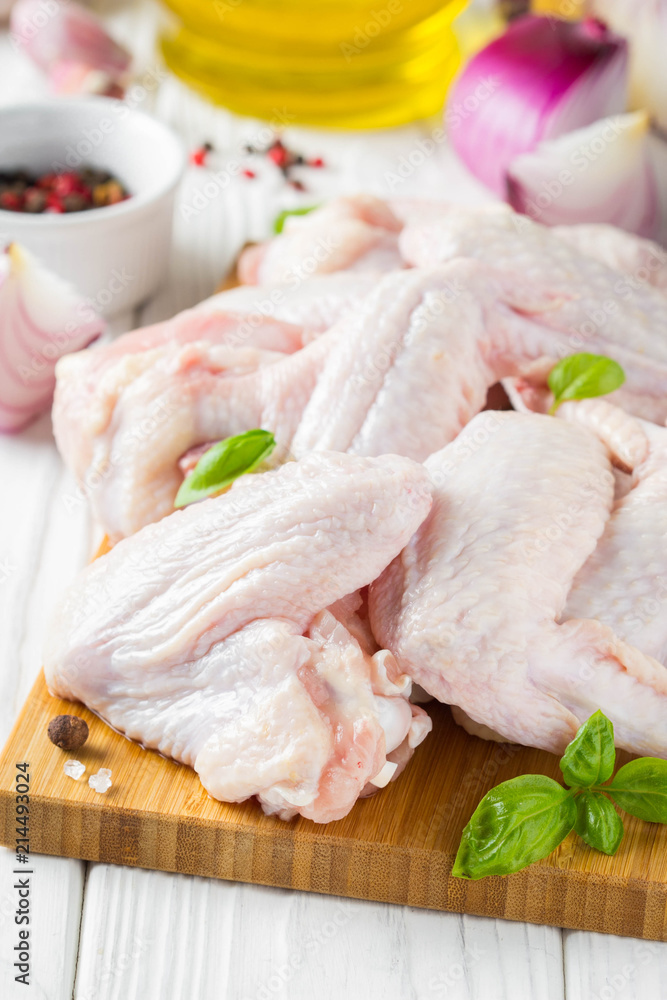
point(206, 636)
point(590, 311)
point(624, 581)
point(470, 607)
point(356, 233)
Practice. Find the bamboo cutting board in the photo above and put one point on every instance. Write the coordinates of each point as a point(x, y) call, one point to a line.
point(397, 846)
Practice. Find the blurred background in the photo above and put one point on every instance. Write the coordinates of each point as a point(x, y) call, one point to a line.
point(557, 106)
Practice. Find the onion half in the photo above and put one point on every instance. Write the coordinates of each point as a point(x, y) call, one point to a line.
point(644, 23)
point(542, 78)
point(41, 318)
point(602, 173)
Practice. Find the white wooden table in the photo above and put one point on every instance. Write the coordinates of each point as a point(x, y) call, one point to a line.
point(109, 933)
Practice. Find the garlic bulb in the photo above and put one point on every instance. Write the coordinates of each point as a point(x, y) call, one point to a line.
point(644, 23)
point(41, 318)
point(602, 173)
point(543, 77)
point(71, 45)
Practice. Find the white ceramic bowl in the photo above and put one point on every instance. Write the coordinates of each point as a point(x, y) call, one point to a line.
point(115, 256)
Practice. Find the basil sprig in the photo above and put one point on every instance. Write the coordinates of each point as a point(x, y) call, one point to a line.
point(583, 376)
point(597, 823)
point(282, 217)
point(223, 463)
point(516, 823)
point(524, 819)
point(640, 788)
point(589, 759)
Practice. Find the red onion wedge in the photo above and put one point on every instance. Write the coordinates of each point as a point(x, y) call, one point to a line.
point(41, 318)
point(602, 173)
point(542, 78)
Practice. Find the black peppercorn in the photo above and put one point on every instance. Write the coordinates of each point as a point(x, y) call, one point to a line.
point(68, 732)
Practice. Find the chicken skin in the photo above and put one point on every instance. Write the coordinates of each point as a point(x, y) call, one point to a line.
point(594, 308)
point(207, 636)
point(403, 374)
point(624, 581)
point(471, 607)
point(359, 233)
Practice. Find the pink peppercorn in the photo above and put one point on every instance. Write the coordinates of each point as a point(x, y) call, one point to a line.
point(198, 156)
point(64, 184)
point(278, 154)
point(54, 203)
point(11, 201)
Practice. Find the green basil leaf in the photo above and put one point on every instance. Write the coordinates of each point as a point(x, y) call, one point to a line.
point(223, 463)
point(279, 222)
point(582, 376)
point(590, 757)
point(519, 821)
point(598, 823)
point(640, 788)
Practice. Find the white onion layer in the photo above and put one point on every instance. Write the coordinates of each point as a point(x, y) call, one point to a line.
point(41, 319)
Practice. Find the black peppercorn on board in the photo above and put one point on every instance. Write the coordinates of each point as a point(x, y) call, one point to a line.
point(396, 846)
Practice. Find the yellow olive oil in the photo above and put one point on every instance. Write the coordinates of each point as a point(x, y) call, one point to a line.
point(342, 63)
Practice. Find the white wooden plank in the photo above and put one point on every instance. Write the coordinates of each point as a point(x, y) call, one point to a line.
point(44, 541)
point(606, 967)
point(163, 937)
point(497, 958)
point(43, 545)
point(30, 472)
point(56, 889)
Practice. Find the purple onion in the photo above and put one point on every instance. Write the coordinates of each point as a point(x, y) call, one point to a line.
point(542, 78)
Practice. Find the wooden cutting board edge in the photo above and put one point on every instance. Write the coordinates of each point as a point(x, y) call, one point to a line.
point(282, 855)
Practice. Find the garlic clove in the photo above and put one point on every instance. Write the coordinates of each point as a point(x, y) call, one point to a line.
point(78, 78)
point(41, 318)
point(601, 173)
point(71, 45)
point(541, 78)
